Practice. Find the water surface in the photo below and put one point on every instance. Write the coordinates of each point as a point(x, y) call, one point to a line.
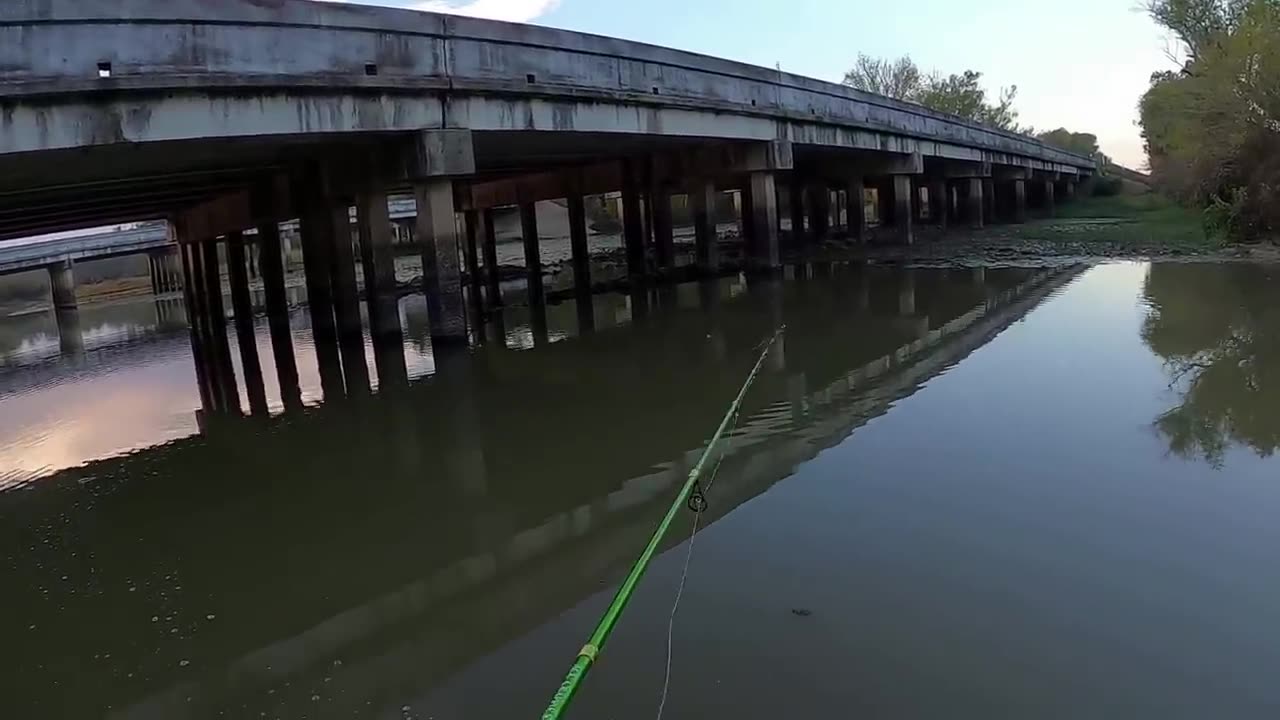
point(1010, 492)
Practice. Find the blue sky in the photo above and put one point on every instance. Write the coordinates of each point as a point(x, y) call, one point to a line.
point(1082, 65)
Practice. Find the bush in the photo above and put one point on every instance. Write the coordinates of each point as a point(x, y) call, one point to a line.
point(1107, 186)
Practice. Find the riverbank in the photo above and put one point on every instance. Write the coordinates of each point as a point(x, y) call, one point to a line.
point(1128, 227)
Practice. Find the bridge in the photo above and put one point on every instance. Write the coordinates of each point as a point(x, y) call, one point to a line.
point(189, 111)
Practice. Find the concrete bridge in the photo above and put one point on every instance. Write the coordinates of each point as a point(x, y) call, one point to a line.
point(237, 115)
point(513, 551)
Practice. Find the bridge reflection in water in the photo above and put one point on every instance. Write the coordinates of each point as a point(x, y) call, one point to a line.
point(363, 551)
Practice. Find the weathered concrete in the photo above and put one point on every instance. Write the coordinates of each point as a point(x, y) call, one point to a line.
point(974, 204)
point(277, 301)
point(855, 209)
point(702, 201)
point(819, 211)
point(149, 238)
point(532, 256)
point(1019, 200)
point(989, 200)
point(795, 203)
point(242, 309)
point(903, 210)
point(939, 194)
point(62, 285)
point(632, 221)
point(437, 232)
point(764, 221)
point(1050, 202)
point(663, 234)
point(346, 301)
point(576, 206)
point(316, 230)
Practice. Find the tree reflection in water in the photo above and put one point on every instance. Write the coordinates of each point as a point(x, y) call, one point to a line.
point(1218, 329)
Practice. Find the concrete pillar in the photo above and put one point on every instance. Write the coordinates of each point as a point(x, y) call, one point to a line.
point(764, 220)
point(1050, 201)
point(989, 200)
point(346, 301)
point(70, 334)
point(632, 225)
point(438, 233)
point(489, 243)
point(221, 368)
point(938, 201)
point(578, 244)
point(663, 233)
point(974, 204)
point(373, 226)
point(62, 285)
point(1069, 190)
point(702, 201)
point(317, 247)
point(1019, 200)
point(242, 307)
point(471, 220)
point(902, 220)
point(819, 211)
point(746, 223)
point(855, 209)
point(154, 273)
point(532, 256)
point(796, 189)
point(190, 283)
point(277, 300)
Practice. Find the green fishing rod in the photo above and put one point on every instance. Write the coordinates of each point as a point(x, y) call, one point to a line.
point(587, 655)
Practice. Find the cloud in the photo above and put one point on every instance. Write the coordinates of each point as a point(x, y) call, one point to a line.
point(509, 10)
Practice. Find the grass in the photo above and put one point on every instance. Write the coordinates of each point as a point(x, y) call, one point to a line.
point(1145, 223)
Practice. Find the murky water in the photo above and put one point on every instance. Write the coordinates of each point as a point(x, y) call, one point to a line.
point(954, 493)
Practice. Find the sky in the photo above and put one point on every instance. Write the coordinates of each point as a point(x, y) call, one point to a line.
point(1082, 65)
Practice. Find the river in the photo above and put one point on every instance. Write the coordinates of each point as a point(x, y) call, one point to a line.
point(1010, 492)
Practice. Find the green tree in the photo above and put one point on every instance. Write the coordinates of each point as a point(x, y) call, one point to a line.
point(1213, 129)
point(899, 79)
point(961, 95)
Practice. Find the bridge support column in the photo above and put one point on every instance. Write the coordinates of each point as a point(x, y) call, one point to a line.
point(855, 210)
point(939, 202)
point(1050, 202)
point(471, 220)
point(1019, 201)
point(437, 231)
point(271, 266)
point(346, 301)
point(1069, 190)
point(819, 206)
point(373, 226)
point(764, 221)
point(578, 244)
point(974, 204)
point(989, 200)
point(663, 233)
point(702, 201)
point(317, 252)
point(532, 255)
point(242, 307)
point(221, 369)
point(632, 222)
point(796, 207)
point(62, 285)
point(902, 190)
point(489, 247)
point(209, 395)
